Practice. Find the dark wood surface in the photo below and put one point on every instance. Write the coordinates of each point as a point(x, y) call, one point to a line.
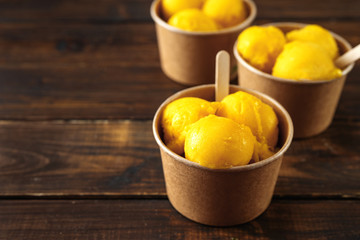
point(79, 84)
point(156, 219)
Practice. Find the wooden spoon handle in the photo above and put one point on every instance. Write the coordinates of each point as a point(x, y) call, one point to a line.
point(222, 75)
point(348, 58)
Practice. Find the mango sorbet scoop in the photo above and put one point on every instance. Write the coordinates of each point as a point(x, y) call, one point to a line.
point(247, 109)
point(178, 115)
point(233, 132)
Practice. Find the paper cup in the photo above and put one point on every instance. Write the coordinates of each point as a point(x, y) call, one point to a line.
point(188, 57)
point(221, 197)
point(311, 104)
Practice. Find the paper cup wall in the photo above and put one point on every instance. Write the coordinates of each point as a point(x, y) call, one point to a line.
point(221, 197)
point(311, 104)
point(188, 57)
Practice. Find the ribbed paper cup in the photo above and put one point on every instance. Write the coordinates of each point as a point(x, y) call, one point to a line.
point(311, 104)
point(221, 197)
point(188, 57)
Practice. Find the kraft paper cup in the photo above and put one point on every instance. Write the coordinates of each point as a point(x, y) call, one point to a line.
point(311, 104)
point(221, 197)
point(188, 57)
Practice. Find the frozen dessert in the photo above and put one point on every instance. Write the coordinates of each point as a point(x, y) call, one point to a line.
point(307, 53)
point(178, 115)
point(223, 134)
point(316, 34)
point(193, 20)
point(305, 60)
point(203, 15)
point(218, 142)
point(247, 109)
point(260, 46)
point(170, 7)
point(226, 13)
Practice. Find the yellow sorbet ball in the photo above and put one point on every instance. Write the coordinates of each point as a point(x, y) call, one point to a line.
point(249, 110)
point(227, 13)
point(170, 7)
point(178, 115)
point(217, 142)
point(305, 60)
point(260, 46)
point(192, 20)
point(316, 34)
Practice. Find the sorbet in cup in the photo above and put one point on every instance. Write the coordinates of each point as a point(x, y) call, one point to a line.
point(188, 57)
point(221, 197)
point(311, 104)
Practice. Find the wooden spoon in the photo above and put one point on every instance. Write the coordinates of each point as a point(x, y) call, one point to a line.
point(348, 58)
point(222, 75)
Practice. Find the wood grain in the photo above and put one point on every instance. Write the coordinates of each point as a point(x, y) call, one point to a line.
point(77, 45)
point(81, 45)
point(79, 84)
point(107, 93)
point(156, 219)
point(139, 10)
point(59, 159)
point(121, 159)
point(86, 71)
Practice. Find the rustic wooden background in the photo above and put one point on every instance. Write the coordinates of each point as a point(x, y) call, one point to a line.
point(79, 84)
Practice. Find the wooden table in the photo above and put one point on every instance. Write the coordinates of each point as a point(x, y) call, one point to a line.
point(79, 84)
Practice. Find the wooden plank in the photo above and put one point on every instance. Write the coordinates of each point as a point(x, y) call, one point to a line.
point(327, 161)
point(79, 159)
point(308, 10)
point(63, 46)
point(121, 159)
point(80, 71)
point(67, 10)
point(84, 93)
point(108, 93)
point(86, 71)
point(85, 46)
point(125, 10)
point(156, 219)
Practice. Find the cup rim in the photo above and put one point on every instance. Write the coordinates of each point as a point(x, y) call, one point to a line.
point(247, 167)
point(310, 82)
point(250, 18)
